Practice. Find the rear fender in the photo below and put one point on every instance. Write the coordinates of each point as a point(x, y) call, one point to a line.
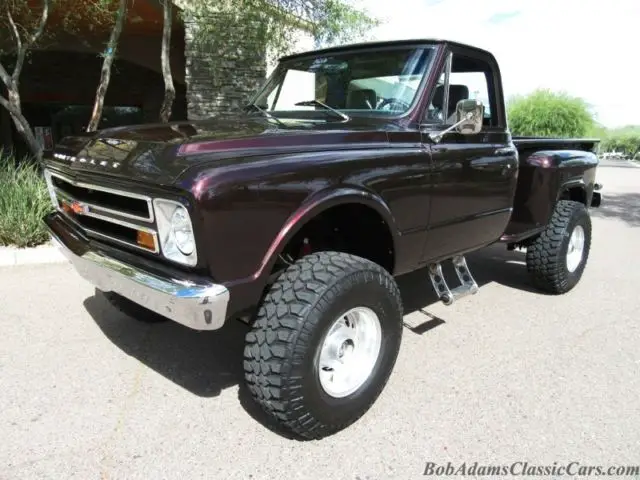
point(544, 178)
point(573, 186)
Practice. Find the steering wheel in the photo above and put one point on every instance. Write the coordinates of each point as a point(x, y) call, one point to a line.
point(393, 101)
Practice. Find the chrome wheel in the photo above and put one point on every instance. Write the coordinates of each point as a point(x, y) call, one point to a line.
point(575, 250)
point(349, 352)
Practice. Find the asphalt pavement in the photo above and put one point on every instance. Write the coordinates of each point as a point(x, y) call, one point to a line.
point(508, 375)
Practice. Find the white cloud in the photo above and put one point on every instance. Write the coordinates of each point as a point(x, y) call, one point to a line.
point(584, 47)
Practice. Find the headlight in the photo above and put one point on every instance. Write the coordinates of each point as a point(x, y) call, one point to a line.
point(175, 231)
point(182, 232)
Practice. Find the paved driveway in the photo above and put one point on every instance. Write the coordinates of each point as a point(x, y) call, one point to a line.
point(508, 375)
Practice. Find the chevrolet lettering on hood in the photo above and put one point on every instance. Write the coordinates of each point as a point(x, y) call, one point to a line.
point(92, 161)
point(63, 157)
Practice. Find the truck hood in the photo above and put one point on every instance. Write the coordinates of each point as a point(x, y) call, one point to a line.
point(160, 153)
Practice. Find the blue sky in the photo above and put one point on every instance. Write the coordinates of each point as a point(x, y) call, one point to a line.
point(584, 47)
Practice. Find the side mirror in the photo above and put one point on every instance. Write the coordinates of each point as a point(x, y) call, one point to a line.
point(469, 116)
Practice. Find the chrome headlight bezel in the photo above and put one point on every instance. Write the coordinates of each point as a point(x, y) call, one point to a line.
point(50, 189)
point(166, 212)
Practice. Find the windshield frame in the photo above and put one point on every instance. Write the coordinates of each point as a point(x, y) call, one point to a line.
point(282, 67)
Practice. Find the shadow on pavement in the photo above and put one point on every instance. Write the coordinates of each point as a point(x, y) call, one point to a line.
point(494, 264)
point(623, 206)
point(205, 363)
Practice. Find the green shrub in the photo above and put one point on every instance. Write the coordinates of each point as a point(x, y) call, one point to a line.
point(549, 114)
point(625, 141)
point(24, 200)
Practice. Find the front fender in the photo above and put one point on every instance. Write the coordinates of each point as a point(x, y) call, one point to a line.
point(316, 204)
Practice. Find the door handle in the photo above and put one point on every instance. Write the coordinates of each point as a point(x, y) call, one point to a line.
point(504, 151)
point(487, 163)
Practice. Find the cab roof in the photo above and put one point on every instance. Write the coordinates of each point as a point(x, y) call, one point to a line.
point(383, 44)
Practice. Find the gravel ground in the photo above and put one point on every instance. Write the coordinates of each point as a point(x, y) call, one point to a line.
point(508, 375)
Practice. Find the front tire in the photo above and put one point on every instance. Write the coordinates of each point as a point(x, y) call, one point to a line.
point(327, 313)
point(557, 258)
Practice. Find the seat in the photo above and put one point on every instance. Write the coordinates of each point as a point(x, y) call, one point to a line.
point(363, 99)
point(456, 93)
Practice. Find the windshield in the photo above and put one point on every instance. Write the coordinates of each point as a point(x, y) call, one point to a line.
point(378, 82)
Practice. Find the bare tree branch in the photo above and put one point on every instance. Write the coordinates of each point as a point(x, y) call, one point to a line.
point(43, 21)
point(5, 77)
point(12, 102)
point(5, 103)
point(169, 88)
point(22, 49)
point(105, 73)
point(22, 125)
point(14, 30)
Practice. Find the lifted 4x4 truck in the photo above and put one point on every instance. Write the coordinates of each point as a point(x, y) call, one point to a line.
point(351, 166)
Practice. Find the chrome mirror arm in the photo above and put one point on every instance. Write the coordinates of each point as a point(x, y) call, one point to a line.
point(437, 136)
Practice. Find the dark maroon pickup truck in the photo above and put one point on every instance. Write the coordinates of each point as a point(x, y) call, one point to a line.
point(351, 166)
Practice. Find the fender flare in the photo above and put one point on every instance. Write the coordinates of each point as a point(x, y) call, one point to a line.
point(570, 184)
point(318, 203)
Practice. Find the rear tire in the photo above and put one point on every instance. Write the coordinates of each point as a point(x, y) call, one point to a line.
point(558, 257)
point(303, 340)
point(132, 309)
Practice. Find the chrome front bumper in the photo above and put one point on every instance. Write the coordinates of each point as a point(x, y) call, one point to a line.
point(200, 306)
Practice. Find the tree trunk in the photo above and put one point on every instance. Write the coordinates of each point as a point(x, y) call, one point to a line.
point(6, 132)
point(22, 125)
point(13, 106)
point(105, 73)
point(12, 103)
point(169, 88)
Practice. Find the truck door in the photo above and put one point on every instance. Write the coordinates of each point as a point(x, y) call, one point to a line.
point(473, 176)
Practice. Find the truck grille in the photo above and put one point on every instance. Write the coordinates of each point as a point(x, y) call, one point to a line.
point(123, 217)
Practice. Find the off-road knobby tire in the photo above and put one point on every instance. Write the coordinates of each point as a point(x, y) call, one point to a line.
point(132, 309)
point(281, 350)
point(547, 256)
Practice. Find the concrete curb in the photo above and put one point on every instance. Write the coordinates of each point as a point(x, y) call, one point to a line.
point(42, 254)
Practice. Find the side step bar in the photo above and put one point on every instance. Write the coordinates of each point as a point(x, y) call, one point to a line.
point(468, 285)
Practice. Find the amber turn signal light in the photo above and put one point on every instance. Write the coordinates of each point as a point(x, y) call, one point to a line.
point(146, 240)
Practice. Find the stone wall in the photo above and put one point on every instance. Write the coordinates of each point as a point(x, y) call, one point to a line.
point(225, 58)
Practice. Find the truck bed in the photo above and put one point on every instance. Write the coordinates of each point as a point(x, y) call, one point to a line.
point(567, 167)
point(523, 144)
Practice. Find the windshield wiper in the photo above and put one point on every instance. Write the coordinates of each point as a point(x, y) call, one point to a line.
point(311, 103)
point(265, 113)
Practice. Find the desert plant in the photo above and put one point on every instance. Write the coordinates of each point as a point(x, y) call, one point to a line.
point(24, 200)
point(552, 114)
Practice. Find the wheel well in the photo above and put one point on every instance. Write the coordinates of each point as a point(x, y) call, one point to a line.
point(351, 228)
point(577, 194)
